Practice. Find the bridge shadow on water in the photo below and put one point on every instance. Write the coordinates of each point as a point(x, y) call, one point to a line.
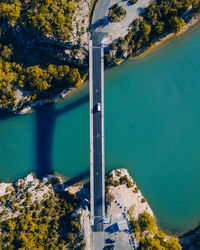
point(46, 117)
point(45, 124)
point(77, 178)
point(4, 115)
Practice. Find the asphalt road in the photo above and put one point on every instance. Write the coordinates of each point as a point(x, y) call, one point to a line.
point(101, 10)
point(98, 173)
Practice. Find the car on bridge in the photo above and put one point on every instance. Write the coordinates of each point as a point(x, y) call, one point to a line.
point(98, 107)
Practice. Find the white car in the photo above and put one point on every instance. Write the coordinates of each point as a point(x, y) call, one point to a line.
point(98, 107)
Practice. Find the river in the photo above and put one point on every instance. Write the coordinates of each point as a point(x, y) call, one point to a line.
point(152, 128)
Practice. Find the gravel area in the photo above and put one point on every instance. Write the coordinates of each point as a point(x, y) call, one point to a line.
point(126, 200)
point(120, 29)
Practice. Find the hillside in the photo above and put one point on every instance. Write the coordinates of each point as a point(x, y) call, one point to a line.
point(41, 43)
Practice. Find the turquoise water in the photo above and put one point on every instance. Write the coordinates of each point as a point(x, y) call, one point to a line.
point(152, 127)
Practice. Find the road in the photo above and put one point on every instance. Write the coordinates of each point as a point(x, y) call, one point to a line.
point(101, 12)
point(97, 135)
point(97, 131)
point(100, 21)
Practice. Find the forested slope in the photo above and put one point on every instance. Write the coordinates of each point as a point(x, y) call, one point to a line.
point(39, 43)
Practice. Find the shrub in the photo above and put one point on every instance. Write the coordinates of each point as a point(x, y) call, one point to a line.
point(135, 225)
point(131, 2)
point(150, 243)
point(82, 246)
point(110, 182)
point(129, 184)
point(113, 46)
point(143, 200)
point(116, 183)
point(116, 13)
point(147, 222)
point(124, 180)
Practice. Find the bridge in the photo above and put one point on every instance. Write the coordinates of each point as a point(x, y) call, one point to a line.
point(97, 162)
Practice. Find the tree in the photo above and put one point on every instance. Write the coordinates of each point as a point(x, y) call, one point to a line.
point(173, 243)
point(36, 79)
point(9, 12)
point(135, 225)
point(52, 72)
point(147, 222)
point(6, 53)
point(52, 18)
point(116, 13)
point(196, 5)
point(176, 24)
point(160, 27)
point(10, 225)
point(151, 243)
point(23, 241)
point(145, 29)
point(73, 77)
point(131, 2)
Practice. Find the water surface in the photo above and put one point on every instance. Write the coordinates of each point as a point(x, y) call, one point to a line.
point(152, 128)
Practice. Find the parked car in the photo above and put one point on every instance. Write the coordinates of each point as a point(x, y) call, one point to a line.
point(109, 241)
point(110, 247)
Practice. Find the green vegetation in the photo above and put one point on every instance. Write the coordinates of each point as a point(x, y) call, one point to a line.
point(116, 13)
point(159, 244)
point(131, 2)
point(147, 222)
point(52, 18)
point(149, 236)
point(196, 5)
point(41, 82)
point(30, 61)
point(49, 224)
point(122, 180)
point(10, 11)
point(176, 23)
point(160, 18)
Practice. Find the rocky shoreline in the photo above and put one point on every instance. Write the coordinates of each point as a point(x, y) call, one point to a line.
point(48, 209)
point(191, 21)
point(190, 17)
point(62, 95)
point(124, 203)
